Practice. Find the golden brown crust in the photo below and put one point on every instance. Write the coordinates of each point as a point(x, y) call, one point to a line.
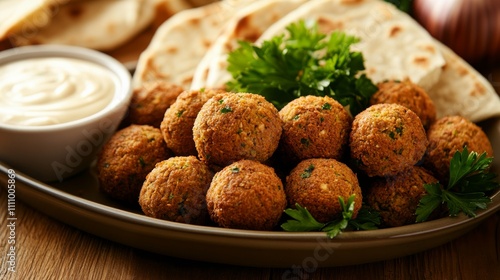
point(449, 135)
point(386, 139)
point(178, 121)
point(396, 198)
point(127, 158)
point(314, 127)
point(234, 126)
point(409, 95)
point(175, 190)
point(150, 101)
point(248, 195)
point(316, 184)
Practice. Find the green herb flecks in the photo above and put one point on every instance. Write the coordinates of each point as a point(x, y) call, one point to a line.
point(226, 110)
point(304, 221)
point(305, 62)
point(468, 184)
point(307, 172)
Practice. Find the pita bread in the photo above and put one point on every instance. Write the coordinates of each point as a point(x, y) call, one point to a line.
point(461, 90)
point(101, 25)
point(394, 45)
point(248, 25)
point(25, 16)
point(180, 43)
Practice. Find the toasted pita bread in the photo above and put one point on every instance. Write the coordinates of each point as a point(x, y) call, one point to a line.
point(248, 24)
point(25, 16)
point(395, 46)
point(461, 90)
point(180, 43)
point(97, 24)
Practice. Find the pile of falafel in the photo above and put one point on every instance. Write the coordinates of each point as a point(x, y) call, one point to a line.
point(233, 160)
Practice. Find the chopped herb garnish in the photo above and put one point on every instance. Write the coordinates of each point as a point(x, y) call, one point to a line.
point(366, 219)
point(466, 190)
point(179, 113)
point(305, 142)
point(306, 62)
point(326, 106)
point(226, 109)
point(235, 169)
point(142, 162)
point(307, 172)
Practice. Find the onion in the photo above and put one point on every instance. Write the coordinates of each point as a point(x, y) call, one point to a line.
point(471, 28)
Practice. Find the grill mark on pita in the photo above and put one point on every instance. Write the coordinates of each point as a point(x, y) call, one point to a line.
point(395, 30)
point(421, 61)
point(428, 48)
point(478, 89)
point(172, 50)
point(327, 25)
point(244, 30)
point(206, 44)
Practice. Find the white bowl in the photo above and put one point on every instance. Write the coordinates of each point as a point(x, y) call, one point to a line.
point(57, 151)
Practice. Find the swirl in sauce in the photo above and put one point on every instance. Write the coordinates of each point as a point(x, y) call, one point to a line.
point(53, 90)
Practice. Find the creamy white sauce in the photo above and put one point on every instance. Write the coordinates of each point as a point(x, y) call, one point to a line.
point(53, 90)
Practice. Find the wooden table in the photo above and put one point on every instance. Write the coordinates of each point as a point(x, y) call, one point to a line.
point(48, 249)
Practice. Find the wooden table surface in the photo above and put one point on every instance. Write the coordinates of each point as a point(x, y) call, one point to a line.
point(48, 249)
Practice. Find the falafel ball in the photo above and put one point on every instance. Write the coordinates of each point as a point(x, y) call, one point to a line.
point(396, 198)
point(175, 190)
point(314, 127)
point(178, 121)
point(447, 136)
point(234, 126)
point(246, 195)
point(149, 102)
point(408, 94)
point(127, 158)
point(316, 184)
point(386, 139)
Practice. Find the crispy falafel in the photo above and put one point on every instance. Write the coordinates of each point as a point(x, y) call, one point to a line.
point(175, 190)
point(235, 126)
point(178, 121)
point(314, 127)
point(246, 195)
point(408, 94)
point(396, 197)
point(386, 139)
point(149, 102)
point(449, 135)
point(127, 158)
point(316, 184)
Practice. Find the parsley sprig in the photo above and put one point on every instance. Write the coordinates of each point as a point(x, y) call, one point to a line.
point(467, 188)
point(306, 62)
point(304, 221)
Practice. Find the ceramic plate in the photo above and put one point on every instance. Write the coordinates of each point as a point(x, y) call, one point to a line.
point(78, 202)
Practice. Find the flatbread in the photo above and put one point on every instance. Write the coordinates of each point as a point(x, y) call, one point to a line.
point(394, 45)
point(248, 24)
point(180, 43)
point(25, 16)
point(98, 24)
point(461, 90)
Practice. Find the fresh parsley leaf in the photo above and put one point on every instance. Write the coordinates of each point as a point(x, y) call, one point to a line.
point(466, 190)
point(367, 219)
point(305, 62)
point(304, 221)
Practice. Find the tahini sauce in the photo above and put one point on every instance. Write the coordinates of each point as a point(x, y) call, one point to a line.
point(53, 90)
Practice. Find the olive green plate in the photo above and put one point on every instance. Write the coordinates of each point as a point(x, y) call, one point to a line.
point(77, 202)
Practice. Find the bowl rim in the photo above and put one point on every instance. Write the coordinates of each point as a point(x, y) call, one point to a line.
point(123, 81)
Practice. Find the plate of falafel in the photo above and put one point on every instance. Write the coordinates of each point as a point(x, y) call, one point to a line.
point(269, 160)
